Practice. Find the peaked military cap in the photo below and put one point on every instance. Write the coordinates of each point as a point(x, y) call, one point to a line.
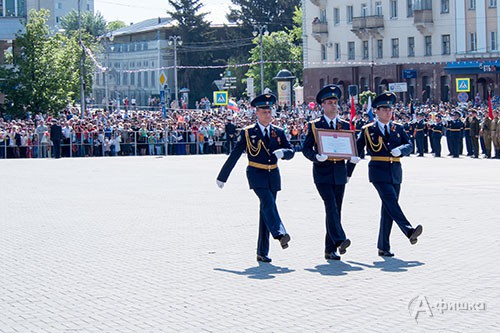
point(330, 91)
point(386, 99)
point(263, 101)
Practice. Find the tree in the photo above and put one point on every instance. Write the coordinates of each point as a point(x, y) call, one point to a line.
point(196, 35)
point(283, 49)
point(276, 14)
point(94, 25)
point(115, 25)
point(45, 75)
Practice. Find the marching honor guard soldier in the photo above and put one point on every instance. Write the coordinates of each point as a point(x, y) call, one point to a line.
point(420, 134)
point(264, 144)
point(330, 174)
point(387, 142)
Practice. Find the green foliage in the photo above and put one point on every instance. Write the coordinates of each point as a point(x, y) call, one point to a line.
point(94, 25)
point(363, 97)
point(46, 72)
point(278, 46)
point(115, 25)
point(195, 34)
point(276, 14)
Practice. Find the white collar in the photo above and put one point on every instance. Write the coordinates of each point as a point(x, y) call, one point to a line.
point(381, 126)
point(262, 127)
point(328, 120)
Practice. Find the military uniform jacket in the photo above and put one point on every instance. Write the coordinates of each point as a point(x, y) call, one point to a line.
point(262, 170)
point(437, 129)
point(330, 171)
point(378, 146)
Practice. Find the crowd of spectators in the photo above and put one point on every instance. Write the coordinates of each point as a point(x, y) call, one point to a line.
point(124, 132)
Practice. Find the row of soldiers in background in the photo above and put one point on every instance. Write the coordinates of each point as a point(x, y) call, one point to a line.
point(478, 131)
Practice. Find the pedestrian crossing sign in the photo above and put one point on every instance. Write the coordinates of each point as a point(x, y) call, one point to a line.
point(220, 98)
point(463, 85)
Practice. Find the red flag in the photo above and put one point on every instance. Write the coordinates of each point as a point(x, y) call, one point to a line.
point(490, 107)
point(353, 113)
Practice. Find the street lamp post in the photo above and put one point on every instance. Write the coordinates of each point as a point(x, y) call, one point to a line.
point(82, 61)
point(260, 30)
point(175, 40)
point(108, 39)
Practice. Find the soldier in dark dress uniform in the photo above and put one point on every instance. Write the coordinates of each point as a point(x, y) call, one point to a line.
point(330, 174)
point(56, 136)
point(455, 128)
point(387, 142)
point(437, 130)
point(264, 144)
point(420, 137)
point(474, 133)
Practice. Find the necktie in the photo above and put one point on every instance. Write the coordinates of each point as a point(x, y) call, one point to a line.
point(331, 124)
point(266, 136)
point(386, 132)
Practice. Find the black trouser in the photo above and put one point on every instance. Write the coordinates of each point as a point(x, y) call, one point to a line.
point(332, 196)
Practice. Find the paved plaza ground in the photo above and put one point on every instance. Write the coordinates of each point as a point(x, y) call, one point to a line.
point(150, 244)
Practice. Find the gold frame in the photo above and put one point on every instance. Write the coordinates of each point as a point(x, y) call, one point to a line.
point(321, 132)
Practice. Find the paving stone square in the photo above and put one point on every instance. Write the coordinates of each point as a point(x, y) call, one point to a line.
point(150, 244)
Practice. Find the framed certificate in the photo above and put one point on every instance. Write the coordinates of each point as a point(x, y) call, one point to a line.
point(336, 144)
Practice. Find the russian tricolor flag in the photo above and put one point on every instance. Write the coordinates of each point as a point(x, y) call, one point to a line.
point(231, 105)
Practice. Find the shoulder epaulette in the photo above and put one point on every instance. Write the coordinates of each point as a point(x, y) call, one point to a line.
point(249, 126)
point(368, 125)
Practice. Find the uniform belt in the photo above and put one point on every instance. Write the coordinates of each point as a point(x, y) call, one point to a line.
point(262, 166)
point(419, 129)
point(455, 129)
point(334, 160)
point(437, 131)
point(385, 159)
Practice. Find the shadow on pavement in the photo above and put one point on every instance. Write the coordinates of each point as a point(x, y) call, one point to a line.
point(394, 265)
point(264, 271)
point(334, 268)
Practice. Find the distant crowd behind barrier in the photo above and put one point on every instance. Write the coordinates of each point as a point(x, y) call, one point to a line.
point(204, 130)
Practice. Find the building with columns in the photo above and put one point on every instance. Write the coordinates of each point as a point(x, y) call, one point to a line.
point(427, 44)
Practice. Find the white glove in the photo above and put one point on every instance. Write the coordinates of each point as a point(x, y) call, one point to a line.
point(355, 159)
point(279, 153)
point(321, 157)
point(219, 183)
point(396, 152)
point(348, 179)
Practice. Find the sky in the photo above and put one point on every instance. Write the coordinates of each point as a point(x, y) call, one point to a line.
point(133, 11)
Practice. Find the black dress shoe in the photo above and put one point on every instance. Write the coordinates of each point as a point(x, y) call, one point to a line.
point(414, 235)
point(344, 245)
point(284, 239)
point(264, 258)
point(332, 256)
point(383, 253)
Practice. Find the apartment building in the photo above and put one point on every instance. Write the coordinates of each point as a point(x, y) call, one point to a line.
point(425, 43)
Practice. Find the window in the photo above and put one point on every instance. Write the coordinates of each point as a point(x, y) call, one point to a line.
point(323, 52)
point(394, 9)
point(472, 4)
point(445, 6)
point(422, 5)
point(409, 8)
point(139, 79)
point(336, 16)
point(364, 10)
point(411, 46)
point(132, 78)
point(365, 49)
point(322, 15)
point(492, 3)
point(446, 44)
point(125, 78)
point(153, 79)
point(378, 8)
point(472, 42)
point(380, 48)
point(493, 41)
point(59, 5)
point(395, 47)
point(428, 45)
point(337, 51)
point(349, 13)
point(350, 51)
point(146, 82)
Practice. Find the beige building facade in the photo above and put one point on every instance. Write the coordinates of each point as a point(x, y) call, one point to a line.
point(424, 44)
